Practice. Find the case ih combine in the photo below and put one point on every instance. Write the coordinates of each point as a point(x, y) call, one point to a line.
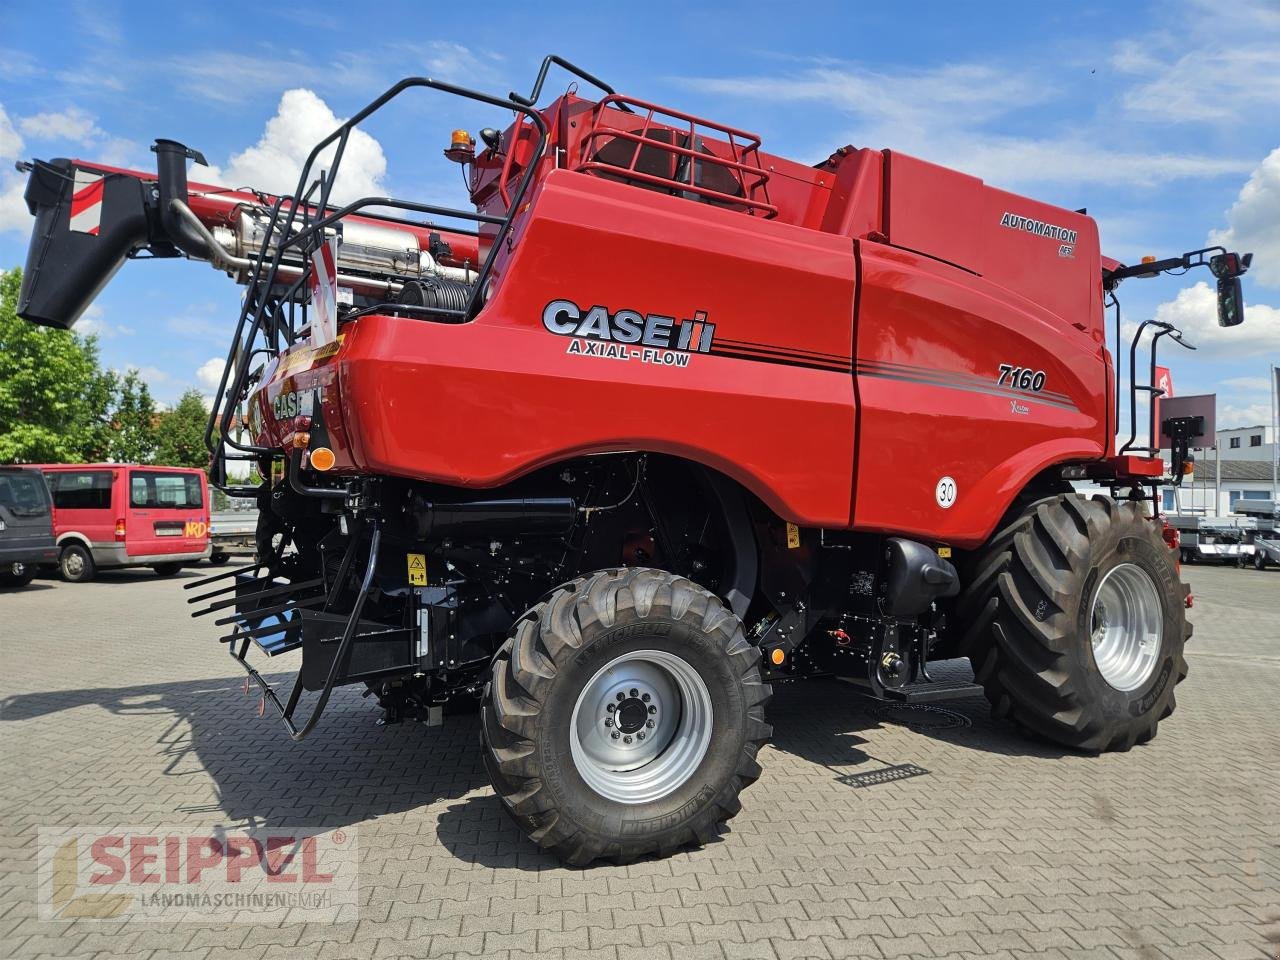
point(676, 420)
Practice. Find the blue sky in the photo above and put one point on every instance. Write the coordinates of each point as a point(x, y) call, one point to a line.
point(1162, 119)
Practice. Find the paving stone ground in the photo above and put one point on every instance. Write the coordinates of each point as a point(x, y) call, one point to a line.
point(118, 709)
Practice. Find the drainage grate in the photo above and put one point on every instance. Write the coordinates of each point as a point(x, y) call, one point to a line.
point(922, 716)
point(901, 771)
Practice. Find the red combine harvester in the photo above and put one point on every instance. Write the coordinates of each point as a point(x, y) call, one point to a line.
point(670, 420)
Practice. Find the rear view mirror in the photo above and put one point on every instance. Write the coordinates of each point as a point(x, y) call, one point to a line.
point(1230, 302)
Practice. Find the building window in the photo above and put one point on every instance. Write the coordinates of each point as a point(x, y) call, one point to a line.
point(1168, 499)
point(1235, 442)
point(1255, 440)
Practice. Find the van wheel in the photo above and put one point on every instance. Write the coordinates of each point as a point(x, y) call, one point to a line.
point(1076, 623)
point(17, 575)
point(166, 569)
point(217, 559)
point(623, 717)
point(1259, 560)
point(76, 564)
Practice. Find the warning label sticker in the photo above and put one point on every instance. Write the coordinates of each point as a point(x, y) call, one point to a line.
point(417, 569)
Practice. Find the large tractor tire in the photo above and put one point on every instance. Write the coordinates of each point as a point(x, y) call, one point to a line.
point(1075, 621)
point(624, 716)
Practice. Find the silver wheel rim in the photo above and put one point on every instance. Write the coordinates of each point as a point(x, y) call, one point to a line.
point(1126, 623)
point(641, 726)
point(75, 564)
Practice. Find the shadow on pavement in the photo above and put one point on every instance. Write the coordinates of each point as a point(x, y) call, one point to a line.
point(351, 769)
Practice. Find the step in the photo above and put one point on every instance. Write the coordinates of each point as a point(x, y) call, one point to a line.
point(932, 692)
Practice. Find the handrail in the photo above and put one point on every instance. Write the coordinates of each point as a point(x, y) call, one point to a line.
point(259, 300)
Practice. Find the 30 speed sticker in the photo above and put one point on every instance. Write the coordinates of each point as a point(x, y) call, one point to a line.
point(945, 493)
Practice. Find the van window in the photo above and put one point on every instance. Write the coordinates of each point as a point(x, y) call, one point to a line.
point(22, 494)
point(165, 490)
point(81, 489)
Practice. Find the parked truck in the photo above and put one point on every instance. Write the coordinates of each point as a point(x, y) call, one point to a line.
point(655, 421)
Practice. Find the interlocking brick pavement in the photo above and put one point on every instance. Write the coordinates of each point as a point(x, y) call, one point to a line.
point(119, 709)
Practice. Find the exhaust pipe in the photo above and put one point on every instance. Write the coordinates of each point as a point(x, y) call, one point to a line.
point(171, 175)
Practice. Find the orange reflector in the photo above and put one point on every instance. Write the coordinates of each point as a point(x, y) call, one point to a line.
point(777, 656)
point(322, 459)
point(460, 138)
point(1188, 468)
point(1148, 259)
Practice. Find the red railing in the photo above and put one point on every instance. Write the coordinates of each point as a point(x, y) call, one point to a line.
point(690, 160)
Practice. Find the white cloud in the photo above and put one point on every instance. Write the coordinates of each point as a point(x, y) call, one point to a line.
point(1247, 383)
point(1233, 415)
point(1194, 311)
point(1253, 222)
point(939, 114)
point(93, 323)
point(13, 209)
point(210, 374)
point(71, 124)
point(1185, 73)
point(301, 121)
point(10, 140)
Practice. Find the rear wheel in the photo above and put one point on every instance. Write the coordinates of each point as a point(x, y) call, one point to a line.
point(17, 574)
point(624, 716)
point(166, 569)
point(217, 558)
point(76, 563)
point(1259, 560)
point(1075, 623)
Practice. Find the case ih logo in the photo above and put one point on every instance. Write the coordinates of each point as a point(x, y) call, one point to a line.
point(1041, 229)
point(658, 339)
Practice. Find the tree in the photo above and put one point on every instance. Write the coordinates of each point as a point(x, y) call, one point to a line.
point(180, 441)
point(54, 397)
point(134, 422)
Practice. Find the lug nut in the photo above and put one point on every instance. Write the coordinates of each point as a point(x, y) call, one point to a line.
point(645, 698)
point(652, 709)
point(635, 692)
point(626, 739)
point(621, 695)
point(640, 735)
point(616, 734)
point(608, 721)
point(650, 724)
point(611, 707)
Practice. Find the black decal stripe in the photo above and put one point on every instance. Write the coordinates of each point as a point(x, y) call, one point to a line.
point(750, 346)
point(873, 366)
point(989, 389)
point(830, 367)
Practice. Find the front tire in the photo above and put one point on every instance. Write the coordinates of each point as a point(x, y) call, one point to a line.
point(653, 658)
point(166, 569)
point(76, 564)
point(17, 574)
point(1075, 622)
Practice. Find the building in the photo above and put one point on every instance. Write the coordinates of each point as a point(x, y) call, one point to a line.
point(1247, 443)
point(1239, 469)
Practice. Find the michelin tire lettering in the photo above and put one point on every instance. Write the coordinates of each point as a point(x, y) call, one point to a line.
point(657, 338)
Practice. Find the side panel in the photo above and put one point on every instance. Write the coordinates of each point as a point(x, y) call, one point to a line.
point(83, 502)
point(931, 342)
point(768, 400)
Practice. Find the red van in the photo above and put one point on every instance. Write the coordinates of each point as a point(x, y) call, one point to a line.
point(122, 515)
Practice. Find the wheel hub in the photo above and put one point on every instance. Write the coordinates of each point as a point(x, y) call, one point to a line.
point(641, 726)
point(1126, 624)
